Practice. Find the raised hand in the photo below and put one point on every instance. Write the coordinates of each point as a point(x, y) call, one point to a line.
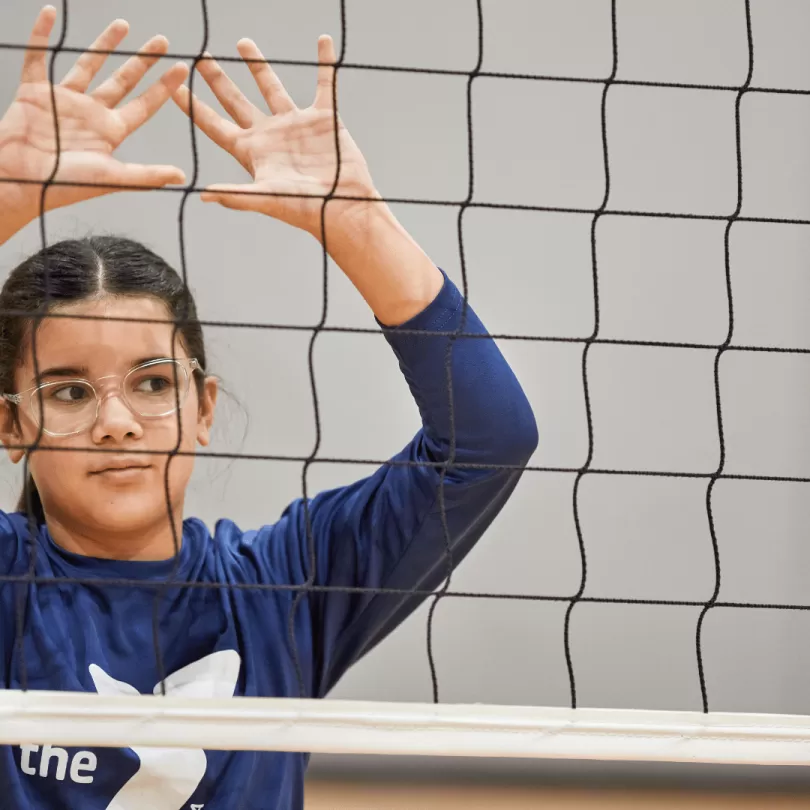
point(91, 124)
point(289, 152)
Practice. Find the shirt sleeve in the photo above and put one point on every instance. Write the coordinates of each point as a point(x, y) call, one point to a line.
point(405, 526)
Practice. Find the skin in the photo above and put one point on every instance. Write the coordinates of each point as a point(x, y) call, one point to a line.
point(291, 157)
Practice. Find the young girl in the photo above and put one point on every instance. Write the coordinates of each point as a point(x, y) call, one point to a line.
point(107, 401)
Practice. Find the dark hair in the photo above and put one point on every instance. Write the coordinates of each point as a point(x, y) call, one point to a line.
point(75, 270)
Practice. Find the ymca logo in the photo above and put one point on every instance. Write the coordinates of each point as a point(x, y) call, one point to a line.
point(167, 777)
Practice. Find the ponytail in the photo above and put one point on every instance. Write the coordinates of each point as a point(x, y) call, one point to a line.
point(30, 491)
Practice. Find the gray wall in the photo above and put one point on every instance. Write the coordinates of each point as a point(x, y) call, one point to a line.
point(537, 143)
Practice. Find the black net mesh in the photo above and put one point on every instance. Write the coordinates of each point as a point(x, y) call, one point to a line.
point(586, 341)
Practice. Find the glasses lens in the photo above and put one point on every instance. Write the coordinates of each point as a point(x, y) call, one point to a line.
point(157, 388)
point(65, 407)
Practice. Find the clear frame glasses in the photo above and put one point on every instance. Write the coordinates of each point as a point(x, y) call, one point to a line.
point(151, 391)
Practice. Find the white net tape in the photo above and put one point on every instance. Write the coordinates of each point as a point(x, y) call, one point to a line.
point(357, 727)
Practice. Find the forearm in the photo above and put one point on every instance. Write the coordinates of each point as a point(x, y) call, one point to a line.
point(386, 265)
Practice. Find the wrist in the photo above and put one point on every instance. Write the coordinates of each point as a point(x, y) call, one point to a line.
point(17, 200)
point(348, 220)
point(389, 269)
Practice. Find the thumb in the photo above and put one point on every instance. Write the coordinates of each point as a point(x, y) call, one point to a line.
point(239, 196)
point(149, 176)
point(129, 176)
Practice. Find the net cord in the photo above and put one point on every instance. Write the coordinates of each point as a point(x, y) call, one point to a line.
point(450, 461)
point(585, 469)
point(720, 351)
point(316, 410)
point(23, 588)
point(181, 317)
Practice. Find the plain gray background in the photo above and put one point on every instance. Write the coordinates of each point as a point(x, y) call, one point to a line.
point(536, 143)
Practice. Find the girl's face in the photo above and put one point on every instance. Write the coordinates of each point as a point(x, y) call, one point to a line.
point(121, 489)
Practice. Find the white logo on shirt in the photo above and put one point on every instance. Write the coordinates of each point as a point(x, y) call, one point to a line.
point(168, 777)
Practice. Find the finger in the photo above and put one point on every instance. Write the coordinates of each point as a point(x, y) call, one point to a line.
point(221, 132)
point(142, 108)
point(239, 197)
point(324, 92)
point(114, 90)
point(273, 91)
point(228, 94)
point(88, 64)
point(34, 67)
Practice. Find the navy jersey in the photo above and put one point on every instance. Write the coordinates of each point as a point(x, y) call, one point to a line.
point(383, 532)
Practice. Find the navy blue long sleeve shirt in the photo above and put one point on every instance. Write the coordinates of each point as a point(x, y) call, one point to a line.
point(382, 532)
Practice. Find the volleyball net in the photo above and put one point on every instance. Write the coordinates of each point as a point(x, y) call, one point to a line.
point(578, 730)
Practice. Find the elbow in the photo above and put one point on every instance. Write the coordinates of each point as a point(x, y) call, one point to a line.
point(528, 436)
point(519, 436)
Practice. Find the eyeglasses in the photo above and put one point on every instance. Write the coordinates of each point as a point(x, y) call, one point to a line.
point(151, 391)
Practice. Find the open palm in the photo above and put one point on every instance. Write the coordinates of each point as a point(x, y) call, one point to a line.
point(90, 125)
point(290, 152)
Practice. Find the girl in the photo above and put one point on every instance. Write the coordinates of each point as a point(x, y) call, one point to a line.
point(107, 401)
